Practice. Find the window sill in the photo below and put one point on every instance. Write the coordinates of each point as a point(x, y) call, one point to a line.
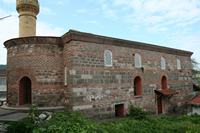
point(137, 96)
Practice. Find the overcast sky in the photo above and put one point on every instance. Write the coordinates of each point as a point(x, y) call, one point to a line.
point(170, 23)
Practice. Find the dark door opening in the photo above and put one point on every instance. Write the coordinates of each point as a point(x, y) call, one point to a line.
point(25, 91)
point(159, 104)
point(137, 86)
point(119, 110)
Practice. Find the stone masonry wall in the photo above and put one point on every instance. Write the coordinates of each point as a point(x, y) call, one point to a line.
point(43, 65)
point(96, 89)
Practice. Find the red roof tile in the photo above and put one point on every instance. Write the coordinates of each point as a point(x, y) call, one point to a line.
point(195, 100)
point(166, 92)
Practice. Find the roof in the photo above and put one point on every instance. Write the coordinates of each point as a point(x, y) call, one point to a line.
point(195, 100)
point(166, 92)
point(73, 35)
point(3, 67)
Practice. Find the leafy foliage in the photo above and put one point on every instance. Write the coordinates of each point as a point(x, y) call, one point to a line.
point(64, 122)
point(27, 125)
point(137, 113)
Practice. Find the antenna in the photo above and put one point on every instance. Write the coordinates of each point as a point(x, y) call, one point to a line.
point(5, 17)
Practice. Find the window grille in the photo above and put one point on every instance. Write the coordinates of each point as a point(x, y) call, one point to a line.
point(65, 75)
point(137, 60)
point(2, 81)
point(108, 58)
point(178, 64)
point(162, 63)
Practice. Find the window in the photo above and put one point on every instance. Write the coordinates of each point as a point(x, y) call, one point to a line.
point(178, 64)
point(137, 60)
point(65, 75)
point(108, 58)
point(2, 94)
point(162, 63)
point(137, 86)
point(2, 80)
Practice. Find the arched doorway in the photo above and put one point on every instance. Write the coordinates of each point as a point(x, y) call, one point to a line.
point(164, 82)
point(25, 91)
point(159, 97)
point(137, 86)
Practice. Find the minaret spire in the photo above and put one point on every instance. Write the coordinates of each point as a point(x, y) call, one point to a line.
point(28, 10)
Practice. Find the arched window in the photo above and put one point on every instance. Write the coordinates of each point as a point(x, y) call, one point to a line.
point(137, 60)
point(108, 58)
point(137, 86)
point(178, 64)
point(162, 63)
point(65, 75)
point(164, 82)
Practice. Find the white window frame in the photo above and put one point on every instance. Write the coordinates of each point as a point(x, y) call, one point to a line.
point(65, 71)
point(2, 80)
point(137, 60)
point(162, 62)
point(108, 59)
point(178, 64)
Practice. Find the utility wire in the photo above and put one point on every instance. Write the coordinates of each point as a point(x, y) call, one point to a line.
point(5, 17)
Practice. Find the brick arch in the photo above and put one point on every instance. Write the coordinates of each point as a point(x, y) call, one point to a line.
point(30, 76)
point(139, 52)
point(163, 81)
point(108, 48)
point(137, 81)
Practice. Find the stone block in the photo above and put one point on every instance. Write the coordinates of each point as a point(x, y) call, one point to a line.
point(82, 107)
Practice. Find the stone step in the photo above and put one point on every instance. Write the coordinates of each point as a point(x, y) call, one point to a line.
point(5, 112)
point(13, 117)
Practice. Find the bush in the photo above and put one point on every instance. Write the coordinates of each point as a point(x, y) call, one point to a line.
point(137, 113)
point(26, 125)
point(64, 122)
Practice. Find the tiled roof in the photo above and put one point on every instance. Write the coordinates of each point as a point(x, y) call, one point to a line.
point(195, 100)
point(166, 92)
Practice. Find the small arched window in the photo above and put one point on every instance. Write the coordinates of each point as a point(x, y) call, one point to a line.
point(137, 60)
point(65, 75)
point(178, 64)
point(137, 86)
point(164, 83)
point(162, 63)
point(108, 58)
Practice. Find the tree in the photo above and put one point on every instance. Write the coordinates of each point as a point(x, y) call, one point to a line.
point(195, 72)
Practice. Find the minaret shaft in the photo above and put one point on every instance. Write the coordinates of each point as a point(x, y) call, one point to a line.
point(28, 10)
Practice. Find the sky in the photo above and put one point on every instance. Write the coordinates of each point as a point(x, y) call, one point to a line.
point(169, 23)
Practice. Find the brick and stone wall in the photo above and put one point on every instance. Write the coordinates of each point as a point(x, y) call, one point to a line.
point(42, 62)
point(93, 88)
point(96, 89)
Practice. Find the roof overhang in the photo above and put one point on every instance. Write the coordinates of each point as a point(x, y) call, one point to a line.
point(165, 92)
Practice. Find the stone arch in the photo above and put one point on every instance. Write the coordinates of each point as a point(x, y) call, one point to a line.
point(25, 91)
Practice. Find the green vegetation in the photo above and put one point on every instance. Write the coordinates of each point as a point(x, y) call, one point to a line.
point(64, 122)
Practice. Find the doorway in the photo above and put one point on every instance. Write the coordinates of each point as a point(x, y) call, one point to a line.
point(159, 104)
point(25, 91)
point(119, 110)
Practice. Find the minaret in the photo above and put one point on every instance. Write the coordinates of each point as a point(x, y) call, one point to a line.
point(28, 10)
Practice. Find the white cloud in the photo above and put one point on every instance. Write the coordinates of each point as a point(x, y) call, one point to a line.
point(160, 11)
point(45, 29)
point(10, 27)
point(92, 22)
point(9, 1)
point(45, 10)
point(81, 11)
